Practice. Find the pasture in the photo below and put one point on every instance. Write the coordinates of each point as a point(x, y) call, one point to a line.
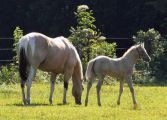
point(152, 104)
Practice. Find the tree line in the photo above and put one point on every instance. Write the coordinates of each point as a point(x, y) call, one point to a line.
point(112, 18)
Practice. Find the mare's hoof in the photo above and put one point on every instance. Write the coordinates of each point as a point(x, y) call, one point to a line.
point(28, 102)
point(64, 102)
point(79, 103)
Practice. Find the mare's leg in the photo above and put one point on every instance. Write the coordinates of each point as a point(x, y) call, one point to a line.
point(23, 92)
point(52, 86)
point(90, 82)
point(98, 88)
point(129, 82)
point(67, 76)
point(31, 76)
point(120, 91)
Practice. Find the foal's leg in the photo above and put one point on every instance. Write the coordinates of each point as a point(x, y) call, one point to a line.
point(120, 91)
point(90, 82)
point(31, 76)
point(52, 86)
point(129, 82)
point(67, 76)
point(98, 88)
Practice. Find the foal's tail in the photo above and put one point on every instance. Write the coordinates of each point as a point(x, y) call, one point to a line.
point(90, 69)
point(22, 64)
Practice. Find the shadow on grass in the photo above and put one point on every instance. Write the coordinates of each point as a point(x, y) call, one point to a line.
point(31, 105)
point(61, 104)
point(36, 104)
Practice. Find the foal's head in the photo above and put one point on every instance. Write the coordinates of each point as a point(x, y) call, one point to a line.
point(142, 53)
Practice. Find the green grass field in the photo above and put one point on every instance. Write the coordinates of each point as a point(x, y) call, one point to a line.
point(152, 104)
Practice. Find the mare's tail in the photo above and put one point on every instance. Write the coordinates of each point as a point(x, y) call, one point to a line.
point(22, 64)
point(90, 69)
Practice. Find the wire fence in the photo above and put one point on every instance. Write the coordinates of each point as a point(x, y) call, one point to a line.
point(10, 49)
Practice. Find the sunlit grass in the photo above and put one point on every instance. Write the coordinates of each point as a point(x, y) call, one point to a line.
point(152, 104)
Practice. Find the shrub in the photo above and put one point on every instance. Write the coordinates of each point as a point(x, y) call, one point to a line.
point(8, 74)
point(86, 37)
point(155, 46)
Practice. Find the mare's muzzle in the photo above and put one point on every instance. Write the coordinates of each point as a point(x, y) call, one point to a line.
point(78, 100)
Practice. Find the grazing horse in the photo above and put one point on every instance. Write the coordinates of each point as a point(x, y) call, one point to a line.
point(54, 55)
point(120, 68)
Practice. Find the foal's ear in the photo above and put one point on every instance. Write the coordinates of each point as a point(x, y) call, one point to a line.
point(142, 44)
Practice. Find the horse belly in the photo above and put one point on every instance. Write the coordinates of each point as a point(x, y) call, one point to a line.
point(52, 66)
point(115, 71)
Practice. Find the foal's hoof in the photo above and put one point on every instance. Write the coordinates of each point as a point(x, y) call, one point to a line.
point(99, 104)
point(86, 104)
point(135, 106)
point(118, 103)
point(50, 101)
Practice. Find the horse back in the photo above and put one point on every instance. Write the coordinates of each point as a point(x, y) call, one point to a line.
point(61, 56)
point(36, 46)
point(110, 66)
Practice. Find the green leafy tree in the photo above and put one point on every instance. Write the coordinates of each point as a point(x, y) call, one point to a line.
point(86, 37)
point(154, 44)
point(17, 34)
point(9, 73)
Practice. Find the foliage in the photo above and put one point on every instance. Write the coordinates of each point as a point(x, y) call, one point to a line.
point(155, 47)
point(123, 19)
point(17, 34)
point(86, 38)
point(151, 104)
point(42, 76)
point(153, 41)
point(159, 66)
point(103, 48)
point(8, 74)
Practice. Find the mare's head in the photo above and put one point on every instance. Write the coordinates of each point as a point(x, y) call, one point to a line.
point(77, 92)
point(142, 53)
point(77, 79)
